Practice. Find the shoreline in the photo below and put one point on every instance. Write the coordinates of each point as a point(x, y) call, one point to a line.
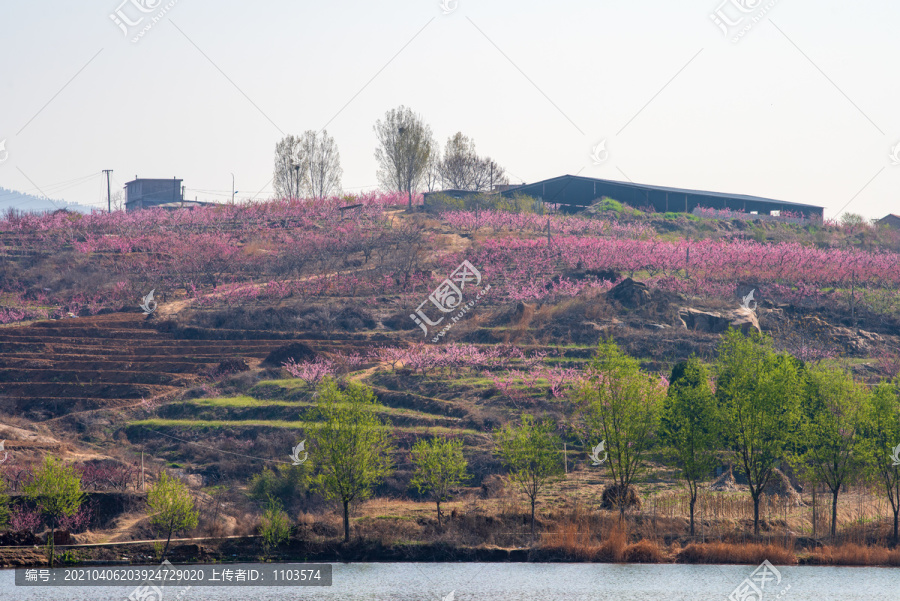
point(234, 551)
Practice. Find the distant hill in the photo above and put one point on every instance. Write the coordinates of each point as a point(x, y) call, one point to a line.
point(28, 203)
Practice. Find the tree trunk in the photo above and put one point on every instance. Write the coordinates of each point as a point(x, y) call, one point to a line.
point(896, 512)
point(756, 515)
point(439, 514)
point(166, 549)
point(409, 206)
point(815, 510)
point(834, 500)
point(693, 502)
point(532, 518)
point(52, 542)
point(346, 522)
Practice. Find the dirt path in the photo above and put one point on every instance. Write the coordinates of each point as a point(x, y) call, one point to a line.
point(123, 525)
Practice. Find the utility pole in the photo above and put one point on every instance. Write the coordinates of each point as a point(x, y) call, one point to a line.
point(108, 196)
point(232, 188)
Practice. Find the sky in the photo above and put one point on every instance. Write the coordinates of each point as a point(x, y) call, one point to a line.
point(790, 100)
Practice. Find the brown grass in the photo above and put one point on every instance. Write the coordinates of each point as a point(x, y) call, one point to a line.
point(644, 551)
point(613, 546)
point(582, 538)
point(850, 554)
point(572, 539)
point(749, 553)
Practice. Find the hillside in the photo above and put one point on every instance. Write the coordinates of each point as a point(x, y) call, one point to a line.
point(257, 303)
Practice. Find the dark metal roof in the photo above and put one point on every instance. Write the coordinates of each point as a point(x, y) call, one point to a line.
point(666, 189)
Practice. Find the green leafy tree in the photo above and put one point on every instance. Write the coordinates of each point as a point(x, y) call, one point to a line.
point(690, 425)
point(440, 467)
point(4, 504)
point(531, 453)
point(881, 437)
point(172, 506)
point(352, 445)
point(620, 404)
point(758, 392)
point(834, 408)
point(274, 527)
point(56, 490)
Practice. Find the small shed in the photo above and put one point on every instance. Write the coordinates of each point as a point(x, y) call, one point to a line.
point(145, 193)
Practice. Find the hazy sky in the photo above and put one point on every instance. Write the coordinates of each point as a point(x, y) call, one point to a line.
point(803, 107)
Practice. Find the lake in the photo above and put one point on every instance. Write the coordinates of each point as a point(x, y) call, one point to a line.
point(523, 582)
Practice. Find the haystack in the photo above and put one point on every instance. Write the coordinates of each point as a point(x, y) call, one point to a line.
point(779, 485)
point(725, 482)
point(610, 499)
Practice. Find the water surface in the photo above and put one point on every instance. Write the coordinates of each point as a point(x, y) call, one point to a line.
point(520, 582)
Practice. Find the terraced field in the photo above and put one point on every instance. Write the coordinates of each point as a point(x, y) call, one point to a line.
point(49, 369)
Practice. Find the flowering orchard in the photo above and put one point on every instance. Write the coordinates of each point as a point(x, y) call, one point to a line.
point(294, 247)
point(516, 374)
point(531, 269)
point(231, 255)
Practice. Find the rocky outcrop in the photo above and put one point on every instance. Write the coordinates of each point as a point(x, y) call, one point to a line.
point(714, 322)
point(630, 293)
point(853, 341)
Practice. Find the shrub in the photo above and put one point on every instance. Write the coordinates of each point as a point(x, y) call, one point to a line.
point(285, 484)
point(22, 519)
point(275, 528)
point(643, 551)
point(855, 555)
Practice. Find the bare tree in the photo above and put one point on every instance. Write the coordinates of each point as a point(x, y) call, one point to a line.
point(432, 177)
point(405, 146)
point(462, 168)
point(290, 168)
point(322, 161)
point(487, 173)
point(457, 166)
point(118, 200)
